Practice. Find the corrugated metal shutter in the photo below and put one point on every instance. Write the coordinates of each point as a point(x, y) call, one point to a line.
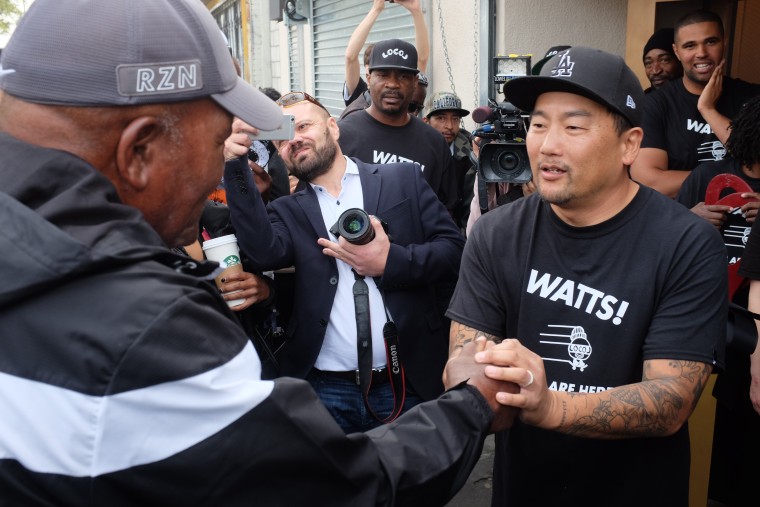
point(295, 56)
point(333, 21)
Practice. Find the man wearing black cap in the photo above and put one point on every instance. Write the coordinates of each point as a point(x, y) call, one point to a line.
point(124, 377)
point(686, 122)
point(386, 132)
point(660, 62)
point(616, 294)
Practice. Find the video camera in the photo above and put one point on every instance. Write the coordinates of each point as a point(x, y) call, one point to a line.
point(504, 158)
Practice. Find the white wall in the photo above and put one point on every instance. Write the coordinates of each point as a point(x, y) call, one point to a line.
point(536, 26)
point(523, 27)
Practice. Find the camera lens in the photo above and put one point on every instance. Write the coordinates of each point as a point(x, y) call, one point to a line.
point(354, 225)
point(509, 161)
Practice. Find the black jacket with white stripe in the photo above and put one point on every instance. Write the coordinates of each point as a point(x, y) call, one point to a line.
point(124, 379)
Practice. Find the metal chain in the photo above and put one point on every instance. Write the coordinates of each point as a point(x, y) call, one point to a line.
point(476, 59)
point(445, 48)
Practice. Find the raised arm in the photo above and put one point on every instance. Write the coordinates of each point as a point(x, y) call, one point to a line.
point(356, 42)
point(421, 38)
point(707, 101)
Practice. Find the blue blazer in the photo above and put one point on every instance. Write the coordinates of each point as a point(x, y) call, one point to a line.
point(422, 265)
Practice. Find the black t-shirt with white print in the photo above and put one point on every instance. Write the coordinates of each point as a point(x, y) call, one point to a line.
point(671, 122)
point(595, 303)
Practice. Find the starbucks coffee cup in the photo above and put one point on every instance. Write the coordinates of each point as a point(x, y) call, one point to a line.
point(225, 251)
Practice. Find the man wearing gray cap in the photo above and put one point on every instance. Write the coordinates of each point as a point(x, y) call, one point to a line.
point(124, 377)
point(444, 113)
point(608, 301)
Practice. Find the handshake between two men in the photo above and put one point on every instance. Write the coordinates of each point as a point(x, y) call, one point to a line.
point(493, 369)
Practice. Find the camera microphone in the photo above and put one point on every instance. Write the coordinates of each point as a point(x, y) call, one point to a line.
point(483, 114)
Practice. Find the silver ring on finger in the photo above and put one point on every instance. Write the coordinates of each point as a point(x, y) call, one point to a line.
point(530, 379)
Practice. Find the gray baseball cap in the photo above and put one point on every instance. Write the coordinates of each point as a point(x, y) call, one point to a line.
point(591, 73)
point(444, 101)
point(127, 52)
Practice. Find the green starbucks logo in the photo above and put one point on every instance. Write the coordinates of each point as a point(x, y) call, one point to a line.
point(231, 260)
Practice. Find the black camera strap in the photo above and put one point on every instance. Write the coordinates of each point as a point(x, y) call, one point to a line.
point(394, 368)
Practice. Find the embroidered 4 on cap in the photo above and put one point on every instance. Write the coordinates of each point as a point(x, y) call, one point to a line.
point(591, 73)
point(127, 52)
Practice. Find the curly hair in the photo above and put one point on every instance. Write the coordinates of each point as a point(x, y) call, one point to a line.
point(744, 141)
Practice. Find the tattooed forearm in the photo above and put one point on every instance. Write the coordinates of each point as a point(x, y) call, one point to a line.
point(657, 406)
point(461, 334)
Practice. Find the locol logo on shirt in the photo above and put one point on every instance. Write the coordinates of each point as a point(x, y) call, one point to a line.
point(157, 79)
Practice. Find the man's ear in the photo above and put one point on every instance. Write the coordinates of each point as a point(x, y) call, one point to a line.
point(136, 150)
point(332, 127)
point(675, 51)
point(631, 144)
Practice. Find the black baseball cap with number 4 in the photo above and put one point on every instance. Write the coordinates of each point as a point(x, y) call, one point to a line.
point(592, 73)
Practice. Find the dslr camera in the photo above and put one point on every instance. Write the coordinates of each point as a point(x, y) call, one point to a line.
point(355, 226)
point(504, 158)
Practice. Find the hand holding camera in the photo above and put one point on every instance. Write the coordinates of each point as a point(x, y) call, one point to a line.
point(237, 144)
point(363, 242)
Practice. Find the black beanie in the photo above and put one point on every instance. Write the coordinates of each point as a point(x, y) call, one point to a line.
point(661, 39)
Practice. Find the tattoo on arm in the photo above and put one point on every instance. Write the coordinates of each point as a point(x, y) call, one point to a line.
point(461, 334)
point(654, 407)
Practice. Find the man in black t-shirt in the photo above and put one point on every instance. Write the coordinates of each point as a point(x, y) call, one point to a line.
point(387, 133)
point(736, 437)
point(617, 338)
point(686, 121)
point(743, 160)
point(736, 442)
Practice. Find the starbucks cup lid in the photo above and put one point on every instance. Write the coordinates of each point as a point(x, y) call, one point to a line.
point(221, 240)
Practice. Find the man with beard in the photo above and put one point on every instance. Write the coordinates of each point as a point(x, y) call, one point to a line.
point(617, 338)
point(686, 122)
point(124, 377)
point(386, 132)
point(425, 249)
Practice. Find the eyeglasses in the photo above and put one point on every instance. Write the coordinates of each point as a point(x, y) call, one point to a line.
point(415, 108)
point(293, 98)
